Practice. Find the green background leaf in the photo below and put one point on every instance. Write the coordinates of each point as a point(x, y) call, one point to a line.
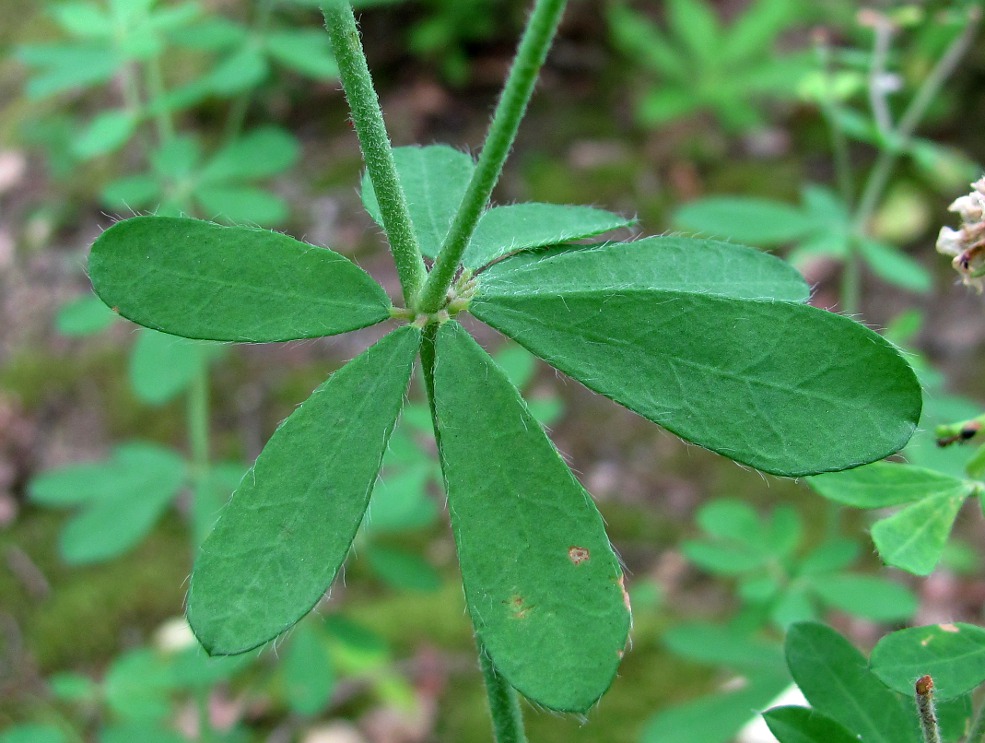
point(434, 180)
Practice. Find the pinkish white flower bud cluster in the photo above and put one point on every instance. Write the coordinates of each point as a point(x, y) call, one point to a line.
point(966, 245)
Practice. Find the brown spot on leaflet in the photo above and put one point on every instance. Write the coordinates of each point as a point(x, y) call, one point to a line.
point(578, 555)
point(517, 607)
point(949, 627)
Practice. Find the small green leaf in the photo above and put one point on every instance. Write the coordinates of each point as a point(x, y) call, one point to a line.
point(833, 554)
point(82, 19)
point(123, 498)
point(893, 265)
point(162, 366)
point(400, 500)
point(805, 725)
point(307, 51)
point(403, 570)
point(68, 67)
point(510, 229)
point(542, 584)
point(309, 676)
point(33, 734)
point(726, 646)
point(885, 484)
point(261, 153)
point(241, 205)
point(200, 280)
point(746, 220)
point(953, 654)
point(836, 680)
point(786, 388)
point(717, 718)
point(126, 472)
point(136, 687)
point(866, 596)
point(84, 316)
point(240, 71)
point(107, 132)
point(695, 25)
point(142, 731)
point(914, 538)
point(289, 526)
point(655, 263)
point(133, 192)
point(434, 180)
point(73, 687)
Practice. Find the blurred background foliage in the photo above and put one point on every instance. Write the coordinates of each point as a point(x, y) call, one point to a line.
point(760, 121)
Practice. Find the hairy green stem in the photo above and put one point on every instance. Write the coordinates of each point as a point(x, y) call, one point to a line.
point(504, 707)
point(925, 710)
point(512, 105)
point(367, 118)
point(197, 421)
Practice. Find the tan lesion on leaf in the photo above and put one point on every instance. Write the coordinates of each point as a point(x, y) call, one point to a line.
point(578, 555)
point(518, 607)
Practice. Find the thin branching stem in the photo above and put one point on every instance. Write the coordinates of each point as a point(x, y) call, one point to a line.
point(977, 734)
point(367, 119)
point(512, 105)
point(926, 711)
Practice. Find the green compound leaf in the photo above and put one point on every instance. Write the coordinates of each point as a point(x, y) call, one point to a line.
point(434, 180)
point(509, 229)
point(287, 529)
point(122, 498)
point(805, 725)
point(885, 484)
point(241, 205)
point(542, 584)
point(655, 263)
point(787, 388)
point(83, 316)
point(199, 280)
point(836, 680)
point(953, 654)
point(914, 538)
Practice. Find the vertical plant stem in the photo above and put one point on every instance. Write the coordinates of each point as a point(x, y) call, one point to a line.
point(197, 421)
point(830, 111)
point(512, 105)
point(925, 710)
point(900, 138)
point(155, 92)
point(897, 142)
point(977, 734)
point(504, 707)
point(367, 118)
point(241, 104)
